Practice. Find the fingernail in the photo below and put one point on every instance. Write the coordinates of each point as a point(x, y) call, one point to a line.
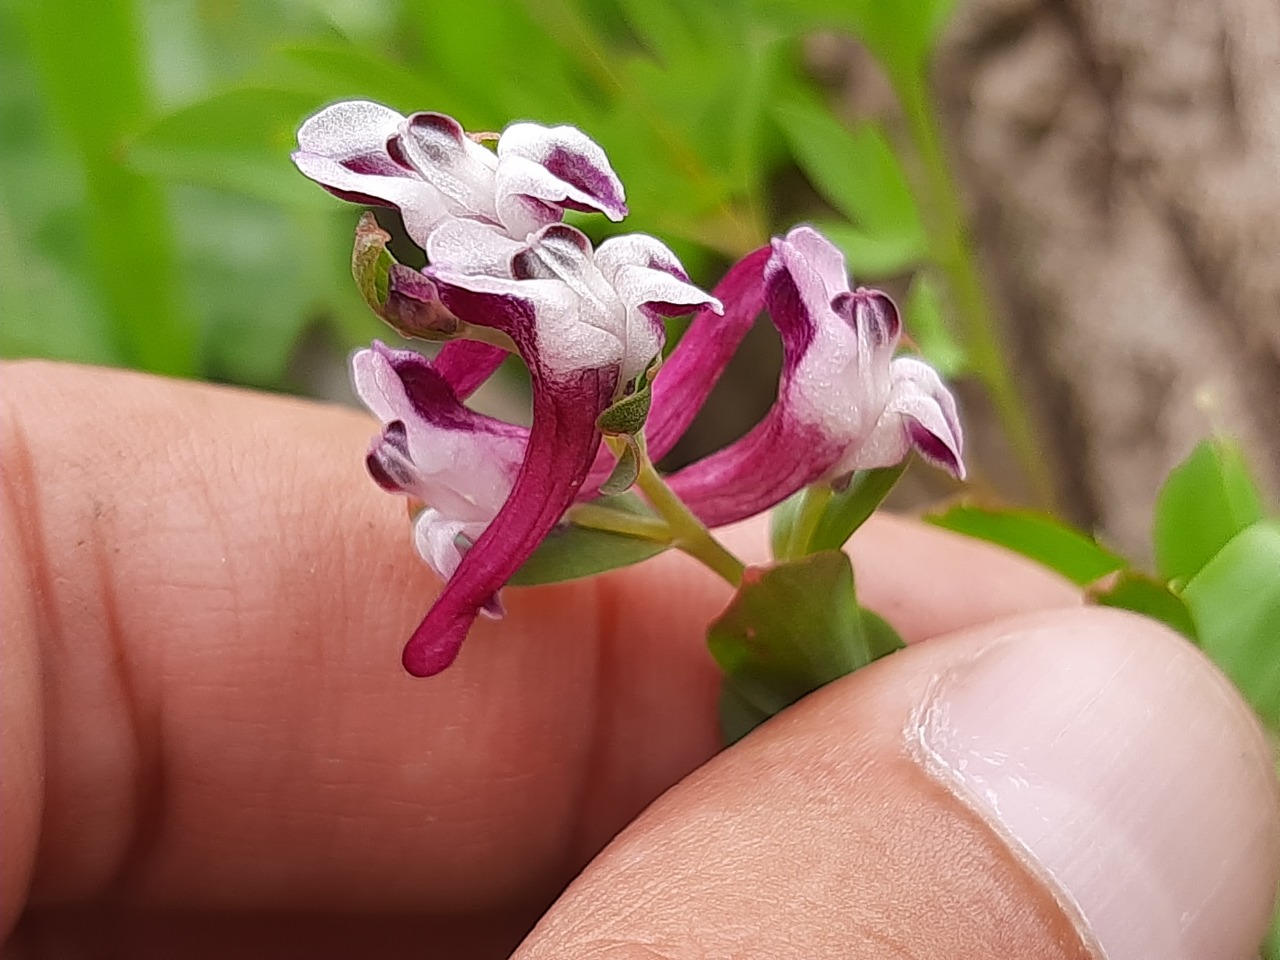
point(1125, 771)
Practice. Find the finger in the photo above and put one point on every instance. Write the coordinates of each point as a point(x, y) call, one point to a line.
point(220, 596)
point(1078, 784)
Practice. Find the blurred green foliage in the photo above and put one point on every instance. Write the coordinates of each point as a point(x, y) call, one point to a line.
point(150, 217)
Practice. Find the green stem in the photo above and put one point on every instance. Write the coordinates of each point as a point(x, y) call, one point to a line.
point(813, 505)
point(952, 252)
point(689, 533)
point(615, 521)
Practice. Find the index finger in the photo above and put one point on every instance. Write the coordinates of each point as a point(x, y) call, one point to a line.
point(212, 596)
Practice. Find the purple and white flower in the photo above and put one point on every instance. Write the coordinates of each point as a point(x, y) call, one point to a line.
point(844, 402)
point(459, 464)
point(434, 173)
point(588, 323)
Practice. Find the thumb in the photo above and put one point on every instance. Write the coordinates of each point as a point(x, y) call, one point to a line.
point(1061, 785)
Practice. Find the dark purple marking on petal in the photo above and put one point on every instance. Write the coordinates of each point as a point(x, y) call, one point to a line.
point(934, 448)
point(872, 311)
point(562, 442)
point(439, 137)
point(378, 165)
point(789, 313)
point(685, 380)
point(513, 315)
point(364, 199)
point(434, 400)
point(577, 170)
point(388, 460)
point(466, 364)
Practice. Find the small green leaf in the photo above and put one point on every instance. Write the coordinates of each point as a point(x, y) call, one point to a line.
point(856, 171)
point(1072, 553)
point(1206, 500)
point(791, 628)
point(1235, 601)
point(926, 325)
point(1131, 590)
point(571, 552)
point(850, 508)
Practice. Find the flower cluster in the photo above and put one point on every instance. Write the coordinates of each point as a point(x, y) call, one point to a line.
point(588, 323)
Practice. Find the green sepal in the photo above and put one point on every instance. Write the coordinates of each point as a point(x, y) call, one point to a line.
point(1235, 601)
point(1206, 500)
point(626, 416)
point(371, 263)
point(791, 628)
point(571, 552)
point(1131, 590)
point(625, 470)
point(1037, 536)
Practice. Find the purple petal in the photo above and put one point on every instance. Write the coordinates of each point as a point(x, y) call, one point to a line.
point(778, 457)
point(685, 380)
point(466, 364)
point(562, 442)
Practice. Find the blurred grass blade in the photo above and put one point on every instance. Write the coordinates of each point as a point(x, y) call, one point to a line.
point(238, 140)
point(856, 170)
point(91, 69)
point(927, 326)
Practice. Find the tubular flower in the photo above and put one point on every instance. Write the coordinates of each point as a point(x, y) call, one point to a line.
point(458, 463)
point(586, 323)
point(433, 172)
point(844, 402)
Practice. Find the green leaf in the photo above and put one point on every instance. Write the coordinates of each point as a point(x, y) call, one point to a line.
point(625, 470)
point(1042, 538)
point(791, 628)
point(926, 325)
point(1206, 500)
point(93, 76)
point(571, 552)
point(875, 257)
point(856, 171)
point(850, 508)
point(1235, 601)
point(238, 140)
point(1131, 590)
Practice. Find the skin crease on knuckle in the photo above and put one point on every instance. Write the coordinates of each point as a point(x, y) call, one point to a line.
point(146, 775)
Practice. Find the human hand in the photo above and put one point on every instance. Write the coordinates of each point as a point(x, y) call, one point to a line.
point(209, 748)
